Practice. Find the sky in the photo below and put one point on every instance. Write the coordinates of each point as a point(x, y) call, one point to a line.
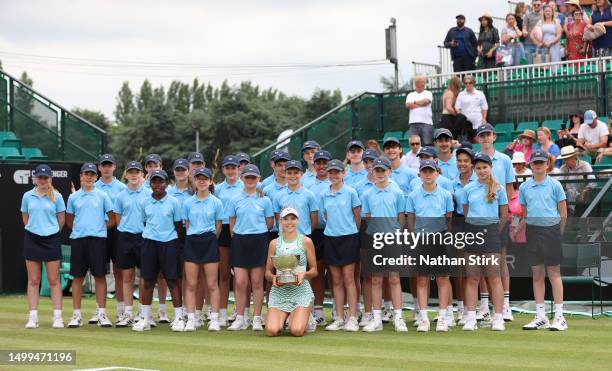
point(79, 52)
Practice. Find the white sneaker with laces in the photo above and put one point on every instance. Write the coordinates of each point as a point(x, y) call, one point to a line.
point(223, 322)
point(93, 320)
point(470, 325)
point(386, 315)
point(442, 326)
point(162, 316)
point(508, 317)
point(178, 324)
point(75, 321)
point(537, 324)
point(124, 321)
point(373, 326)
point(238, 325)
point(400, 325)
point(335, 326)
point(450, 319)
point(423, 325)
point(366, 319)
point(483, 315)
point(559, 324)
point(58, 322)
point(142, 325)
point(257, 323)
point(32, 322)
point(498, 324)
point(103, 321)
point(463, 320)
point(214, 325)
point(190, 325)
point(351, 325)
point(320, 320)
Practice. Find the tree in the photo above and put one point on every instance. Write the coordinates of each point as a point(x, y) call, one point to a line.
point(95, 117)
point(321, 102)
point(125, 103)
point(388, 84)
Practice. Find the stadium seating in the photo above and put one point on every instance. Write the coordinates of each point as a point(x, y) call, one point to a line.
point(10, 149)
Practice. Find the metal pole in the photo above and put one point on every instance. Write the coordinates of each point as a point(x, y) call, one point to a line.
point(198, 140)
point(396, 75)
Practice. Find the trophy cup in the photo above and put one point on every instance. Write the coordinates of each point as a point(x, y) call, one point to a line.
point(285, 269)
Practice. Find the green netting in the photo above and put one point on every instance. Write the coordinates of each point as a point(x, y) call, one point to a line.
point(81, 141)
point(27, 103)
point(33, 134)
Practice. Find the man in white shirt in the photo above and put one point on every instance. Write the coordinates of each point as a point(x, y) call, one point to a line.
point(472, 103)
point(593, 134)
point(418, 103)
point(411, 159)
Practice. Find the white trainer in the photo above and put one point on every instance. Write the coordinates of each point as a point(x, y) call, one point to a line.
point(386, 315)
point(142, 325)
point(400, 324)
point(498, 324)
point(238, 325)
point(507, 314)
point(559, 324)
point(232, 317)
point(75, 321)
point(320, 320)
point(190, 325)
point(125, 321)
point(257, 323)
point(58, 322)
point(223, 322)
point(178, 324)
point(366, 319)
point(442, 326)
point(32, 322)
point(103, 321)
point(351, 325)
point(335, 326)
point(450, 319)
point(423, 325)
point(199, 322)
point(373, 326)
point(93, 320)
point(463, 319)
point(214, 325)
point(537, 324)
point(470, 325)
point(162, 316)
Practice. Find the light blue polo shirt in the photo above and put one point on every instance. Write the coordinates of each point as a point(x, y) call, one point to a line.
point(441, 180)
point(42, 212)
point(541, 200)
point(147, 183)
point(319, 188)
point(482, 212)
point(128, 204)
point(112, 189)
point(250, 213)
point(89, 210)
point(266, 182)
point(159, 217)
point(302, 200)
point(403, 176)
point(225, 192)
point(202, 214)
point(458, 190)
point(308, 179)
point(430, 208)
point(353, 178)
point(182, 196)
point(339, 209)
point(502, 168)
point(271, 190)
point(383, 205)
point(449, 168)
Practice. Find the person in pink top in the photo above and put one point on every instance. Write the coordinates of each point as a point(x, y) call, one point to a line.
point(516, 229)
point(524, 143)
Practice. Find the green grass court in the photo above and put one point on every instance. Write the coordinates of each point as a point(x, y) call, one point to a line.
point(586, 345)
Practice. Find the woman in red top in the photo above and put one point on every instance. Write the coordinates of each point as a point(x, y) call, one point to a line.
point(576, 46)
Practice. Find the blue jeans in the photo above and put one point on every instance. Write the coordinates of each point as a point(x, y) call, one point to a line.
point(530, 50)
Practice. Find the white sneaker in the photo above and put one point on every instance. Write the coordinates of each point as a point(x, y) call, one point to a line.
point(238, 325)
point(442, 326)
point(537, 324)
point(335, 326)
point(400, 325)
point(366, 319)
point(32, 322)
point(463, 319)
point(142, 325)
point(152, 322)
point(507, 314)
point(75, 321)
point(470, 325)
point(386, 315)
point(257, 323)
point(124, 321)
point(483, 315)
point(199, 322)
point(58, 322)
point(178, 324)
point(498, 324)
point(312, 324)
point(373, 326)
point(559, 324)
point(103, 321)
point(450, 319)
point(93, 320)
point(232, 317)
point(214, 325)
point(423, 325)
point(190, 325)
point(351, 325)
point(222, 322)
point(320, 321)
point(162, 316)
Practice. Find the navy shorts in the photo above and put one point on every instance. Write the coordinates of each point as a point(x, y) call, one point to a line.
point(111, 245)
point(225, 239)
point(129, 246)
point(544, 245)
point(318, 240)
point(491, 236)
point(88, 253)
point(342, 250)
point(156, 257)
point(42, 248)
point(201, 249)
point(249, 250)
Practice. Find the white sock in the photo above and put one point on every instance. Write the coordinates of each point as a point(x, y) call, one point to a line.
point(484, 302)
point(178, 312)
point(449, 310)
point(558, 310)
point(377, 315)
point(471, 315)
point(146, 311)
point(191, 316)
point(460, 306)
point(540, 310)
point(34, 313)
point(423, 314)
point(223, 312)
point(101, 310)
point(162, 307)
point(57, 313)
point(441, 314)
point(388, 305)
point(506, 299)
point(120, 307)
point(128, 310)
point(77, 312)
point(398, 313)
point(214, 316)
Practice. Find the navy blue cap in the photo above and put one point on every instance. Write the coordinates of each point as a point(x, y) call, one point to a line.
point(335, 165)
point(203, 171)
point(250, 169)
point(442, 131)
point(195, 157)
point(43, 170)
point(88, 166)
point(133, 165)
point(467, 150)
point(243, 157)
point(273, 154)
point(485, 128)
point(159, 174)
point(310, 144)
point(107, 157)
point(483, 158)
point(370, 153)
point(153, 157)
point(466, 144)
point(538, 155)
point(293, 164)
point(282, 156)
point(354, 143)
point(180, 162)
point(425, 164)
point(231, 160)
point(391, 140)
point(322, 155)
point(382, 162)
point(428, 151)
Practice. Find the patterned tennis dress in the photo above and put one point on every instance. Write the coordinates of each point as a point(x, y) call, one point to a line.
point(289, 297)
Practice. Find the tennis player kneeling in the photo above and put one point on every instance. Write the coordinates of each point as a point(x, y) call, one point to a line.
point(293, 301)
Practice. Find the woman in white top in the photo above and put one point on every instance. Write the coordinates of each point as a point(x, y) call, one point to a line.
point(472, 103)
point(511, 38)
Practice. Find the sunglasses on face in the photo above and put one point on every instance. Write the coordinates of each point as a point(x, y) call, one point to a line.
point(468, 83)
point(415, 144)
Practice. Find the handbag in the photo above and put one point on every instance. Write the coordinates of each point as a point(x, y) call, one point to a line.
point(598, 30)
point(539, 58)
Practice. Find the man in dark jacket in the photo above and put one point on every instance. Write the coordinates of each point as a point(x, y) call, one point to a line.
point(462, 43)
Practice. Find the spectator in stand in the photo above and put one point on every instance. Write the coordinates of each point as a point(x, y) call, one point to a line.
point(606, 151)
point(488, 42)
point(576, 46)
point(519, 164)
point(462, 42)
point(418, 103)
point(549, 41)
point(524, 143)
point(559, 15)
point(569, 137)
point(593, 134)
point(530, 20)
point(572, 6)
point(602, 46)
point(411, 159)
point(511, 36)
point(577, 192)
point(373, 144)
point(519, 12)
point(472, 103)
point(449, 114)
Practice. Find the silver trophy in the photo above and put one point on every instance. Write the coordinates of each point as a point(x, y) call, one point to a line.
point(285, 269)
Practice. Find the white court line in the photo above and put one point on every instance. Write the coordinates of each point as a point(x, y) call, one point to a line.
point(115, 368)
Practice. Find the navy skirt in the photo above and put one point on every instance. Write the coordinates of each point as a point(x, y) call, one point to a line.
point(225, 239)
point(249, 250)
point(342, 250)
point(201, 249)
point(42, 248)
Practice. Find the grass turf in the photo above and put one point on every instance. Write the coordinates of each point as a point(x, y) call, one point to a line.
point(586, 345)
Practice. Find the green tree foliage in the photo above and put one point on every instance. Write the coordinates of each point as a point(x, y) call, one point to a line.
point(95, 117)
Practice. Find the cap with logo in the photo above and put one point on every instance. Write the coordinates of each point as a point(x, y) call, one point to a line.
point(442, 132)
point(153, 157)
point(354, 143)
point(231, 160)
point(133, 165)
point(485, 128)
point(107, 157)
point(293, 164)
point(322, 155)
point(89, 167)
point(43, 170)
point(180, 163)
point(481, 157)
point(243, 157)
point(335, 165)
point(371, 154)
point(538, 155)
point(310, 144)
point(467, 150)
point(203, 171)
point(195, 157)
point(250, 170)
point(282, 156)
point(391, 140)
point(289, 211)
point(159, 174)
point(428, 164)
point(428, 151)
point(382, 163)
point(589, 117)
